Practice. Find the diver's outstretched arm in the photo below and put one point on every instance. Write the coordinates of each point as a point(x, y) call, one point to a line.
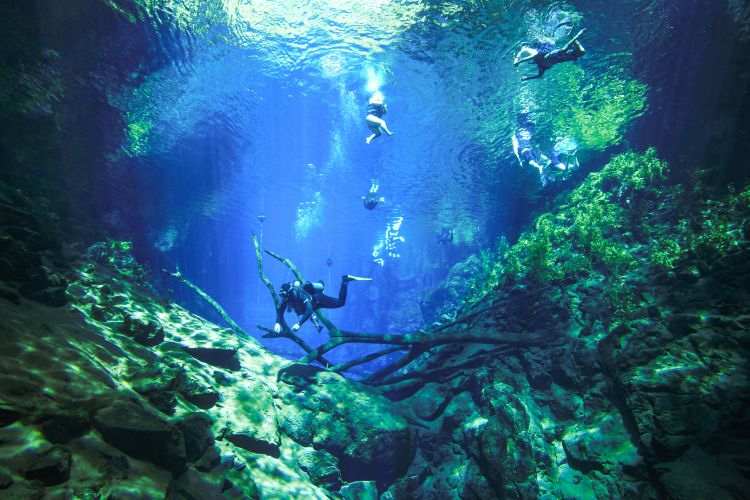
point(574, 39)
point(517, 61)
point(305, 316)
point(538, 75)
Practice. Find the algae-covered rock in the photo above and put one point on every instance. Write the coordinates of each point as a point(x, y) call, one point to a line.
point(142, 434)
point(322, 467)
point(192, 485)
point(223, 358)
point(49, 467)
point(196, 430)
point(145, 332)
point(8, 414)
point(359, 490)
point(252, 423)
point(349, 420)
point(5, 479)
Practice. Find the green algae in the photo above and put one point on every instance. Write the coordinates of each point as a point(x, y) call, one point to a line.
point(619, 223)
point(582, 235)
point(598, 110)
point(117, 254)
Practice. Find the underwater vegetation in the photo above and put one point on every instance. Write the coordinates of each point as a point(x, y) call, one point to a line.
point(610, 226)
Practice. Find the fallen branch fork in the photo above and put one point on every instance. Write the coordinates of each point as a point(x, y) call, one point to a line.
point(417, 343)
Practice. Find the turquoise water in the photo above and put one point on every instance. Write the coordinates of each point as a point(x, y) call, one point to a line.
point(198, 117)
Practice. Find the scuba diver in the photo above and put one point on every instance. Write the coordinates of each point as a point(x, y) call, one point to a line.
point(305, 298)
point(445, 236)
point(372, 199)
point(545, 56)
point(376, 108)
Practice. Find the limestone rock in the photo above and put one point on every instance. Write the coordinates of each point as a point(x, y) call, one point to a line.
point(59, 425)
point(360, 490)
point(322, 468)
point(223, 358)
point(5, 479)
point(145, 332)
point(349, 420)
point(196, 429)
point(142, 434)
point(253, 423)
point(430, 402)
point(192, 485)
point(8, 414)
point(9, 293)
point(50, 467)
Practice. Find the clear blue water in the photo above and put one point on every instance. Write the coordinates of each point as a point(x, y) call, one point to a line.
point(229, 110)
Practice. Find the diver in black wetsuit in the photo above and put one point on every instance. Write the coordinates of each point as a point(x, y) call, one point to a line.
point(306, 298)
point(372, 199)
point(445, 236)
point(546, 56)
point(376, 108)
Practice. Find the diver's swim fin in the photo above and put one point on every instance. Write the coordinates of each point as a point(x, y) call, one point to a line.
point(349, 277)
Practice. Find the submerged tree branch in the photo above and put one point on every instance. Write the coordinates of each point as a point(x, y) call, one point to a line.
point(286, 332)
point(332, 330)
point(224, 315)
point(364, 359)
point(462, 330)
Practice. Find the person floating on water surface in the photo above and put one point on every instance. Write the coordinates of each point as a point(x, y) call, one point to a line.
point(376, 108)
point(305, 298)
point(546, 56)
point(565, 155)
point(564, 158)
point(372, 199)
point(524, 150)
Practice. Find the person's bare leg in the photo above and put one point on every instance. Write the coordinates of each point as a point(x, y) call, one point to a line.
point(373, 123)
point(373, 136)
point(385, 128)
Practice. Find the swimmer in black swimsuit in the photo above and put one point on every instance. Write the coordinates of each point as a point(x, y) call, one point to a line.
point(375, 110)
point(545, 56)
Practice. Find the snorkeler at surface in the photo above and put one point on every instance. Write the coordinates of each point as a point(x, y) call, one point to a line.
point(305, 298)
point(563, 160)
point(546, 56)
point(372, 199)
point(522, 147)
point(376, 108)
point(564, 155)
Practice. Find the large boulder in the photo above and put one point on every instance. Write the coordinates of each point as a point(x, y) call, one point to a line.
point(142, 434)
point(253, 422)
point(50, 467)
point(347, 419)
point(196, 430)
point(321, 467)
